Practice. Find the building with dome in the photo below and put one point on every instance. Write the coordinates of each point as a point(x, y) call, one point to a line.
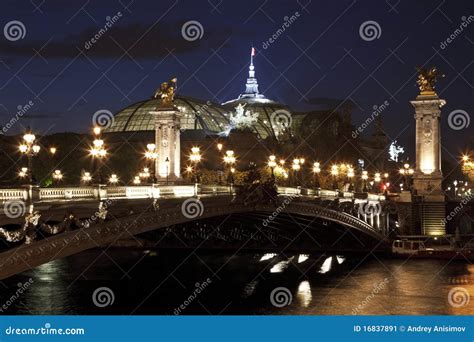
point(321, 134)
point(202, 118)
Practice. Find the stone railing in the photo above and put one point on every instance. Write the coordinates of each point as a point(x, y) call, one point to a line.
point(102, 192)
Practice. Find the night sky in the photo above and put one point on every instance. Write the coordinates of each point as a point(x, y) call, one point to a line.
point(320, 56)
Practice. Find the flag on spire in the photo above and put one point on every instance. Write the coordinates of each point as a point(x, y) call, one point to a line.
point(253, 52)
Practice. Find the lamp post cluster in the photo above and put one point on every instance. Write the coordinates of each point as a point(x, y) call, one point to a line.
point(195, 158)
point(336, 172)
point(30, 149)
point(407, 172)
point(151, 156)
point(229, 161)
point(98, 153)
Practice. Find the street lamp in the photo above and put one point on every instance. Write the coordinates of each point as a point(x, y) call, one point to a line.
point(229, 160)
point(407, 172)
point(365, 176)
point(30, 149)
point(350, 176)
point(145, 174)
point(272, 164)
point(86, 177)
point(195, 158)
point(57, 176)
point(334, 173)
point(296, 167)
point(167, 164)
point(23, 172)
point(219, 147)
point(151, 155)
point(113, 179)
point(316, 171)
point(136, 180)
point(98, 153)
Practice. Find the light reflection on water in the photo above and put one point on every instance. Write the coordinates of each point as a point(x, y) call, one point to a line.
point(320, 284)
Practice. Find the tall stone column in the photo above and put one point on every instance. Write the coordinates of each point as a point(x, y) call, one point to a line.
point(167, 140)
point(428, 176)
point(427, 179)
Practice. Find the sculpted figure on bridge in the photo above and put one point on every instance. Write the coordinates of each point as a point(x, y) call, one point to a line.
point(427, 80)
point(166, 92)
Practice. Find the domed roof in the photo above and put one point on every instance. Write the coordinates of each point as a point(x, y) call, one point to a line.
point(208, 116)
point(197, 115)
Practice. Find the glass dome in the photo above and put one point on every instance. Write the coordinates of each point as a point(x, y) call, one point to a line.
point(197, 115)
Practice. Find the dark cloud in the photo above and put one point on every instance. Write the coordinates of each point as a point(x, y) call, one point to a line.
point(142, 41)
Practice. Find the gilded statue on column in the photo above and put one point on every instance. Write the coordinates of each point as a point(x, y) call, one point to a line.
point(427, 80)
point(166, 92)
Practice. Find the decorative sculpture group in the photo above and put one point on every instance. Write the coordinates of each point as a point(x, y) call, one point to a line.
point(166, 92)
point(427, 80)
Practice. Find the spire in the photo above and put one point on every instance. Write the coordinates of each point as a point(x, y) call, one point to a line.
point(251, 87)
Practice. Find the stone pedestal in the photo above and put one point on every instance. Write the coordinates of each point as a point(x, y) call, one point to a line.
point(427, 179)
point(167, 140)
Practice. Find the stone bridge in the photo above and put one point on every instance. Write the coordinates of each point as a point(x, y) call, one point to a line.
point(60, 222)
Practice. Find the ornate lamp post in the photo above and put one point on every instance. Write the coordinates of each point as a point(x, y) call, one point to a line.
point(272, 164)
point(30, 149)
point(377, 179)
point(229, 160)
point(98, 153)
point(350, 176)
point(317, 171)
point(145, 174)
point(57, 176)
point(407, 172)
point(86, 177)
point(365, 176)
point(23, 172)
point(296, 167)
point(334, 173)
point(151, 155)
point(167, 164)
point(195, 158)
point(113, 179)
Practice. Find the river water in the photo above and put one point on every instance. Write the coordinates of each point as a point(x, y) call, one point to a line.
point(170, 283)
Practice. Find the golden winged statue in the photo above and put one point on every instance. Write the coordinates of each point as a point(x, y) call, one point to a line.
point(166, 92)
point(427, 80)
